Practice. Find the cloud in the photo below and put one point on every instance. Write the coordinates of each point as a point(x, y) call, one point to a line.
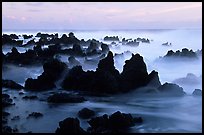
point(34, 3)
point(11, 17)
point(33, 10)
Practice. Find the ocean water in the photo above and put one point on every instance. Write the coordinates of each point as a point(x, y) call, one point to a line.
point(160, 114)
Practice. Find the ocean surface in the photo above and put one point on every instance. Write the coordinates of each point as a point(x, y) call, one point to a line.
point(160, 114)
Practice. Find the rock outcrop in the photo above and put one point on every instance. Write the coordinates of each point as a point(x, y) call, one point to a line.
point(52, 72)
point(70, 125)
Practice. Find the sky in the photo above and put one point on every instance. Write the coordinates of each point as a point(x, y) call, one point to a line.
point(101, 15)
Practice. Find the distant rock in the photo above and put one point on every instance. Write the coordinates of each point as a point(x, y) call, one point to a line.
point(29, 43)
point(133, 43)
point(7, 40)
point(189, 79)
point(34, 115)
point(197, 92)
point(185, 53)
point(27, 36)
point(65, 98)
point(13, 36)
point(111, 38)
point(69, 125)
point(86, 113)
point(11, 84)
point(30, 97)
point(15, 118)
point(171, 89)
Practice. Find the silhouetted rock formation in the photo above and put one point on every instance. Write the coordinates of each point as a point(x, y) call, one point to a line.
point(52, 72)
point(111, 38)
point(115, 123)
point(30, 97)
point(6, 100)
point(13, 36)
point(171, 89)
point(197, 92)
point(34, 115)
point(69, 125)
point(29, 43)
point(15, 118)
point(27, 36)
point(8, 129)
point(189, 79)
point(184, 53)
point(133, 43)
point(11, 84)
point(6, 39)
point(134, 73)
point(153, 79)
point(143, 40)
point(105, 48)
point(65, 98)
point(86, 113)
point(106, 79)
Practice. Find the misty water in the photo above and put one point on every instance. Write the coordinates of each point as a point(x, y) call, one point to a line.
point(160, 114)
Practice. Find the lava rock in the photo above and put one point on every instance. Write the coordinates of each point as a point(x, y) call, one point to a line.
point(6, 100)
point(34, 115)
point(86, 113)
point(27, 36)
point(15, 118)
point(11, 84)
point(52, 72)
point(69, 125)
point(111, 38)
point(73, 62)
point(153, 79)
point(8, 129)
point(30, 97)
point(134, 74)
point(171, 89)
point(184, 53)
point(197, 92)
point(4, 114)
point(65, 98)
point(20, 93)
point(115, 123)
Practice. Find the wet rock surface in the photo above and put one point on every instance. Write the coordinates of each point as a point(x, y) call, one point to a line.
point(69, 125)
